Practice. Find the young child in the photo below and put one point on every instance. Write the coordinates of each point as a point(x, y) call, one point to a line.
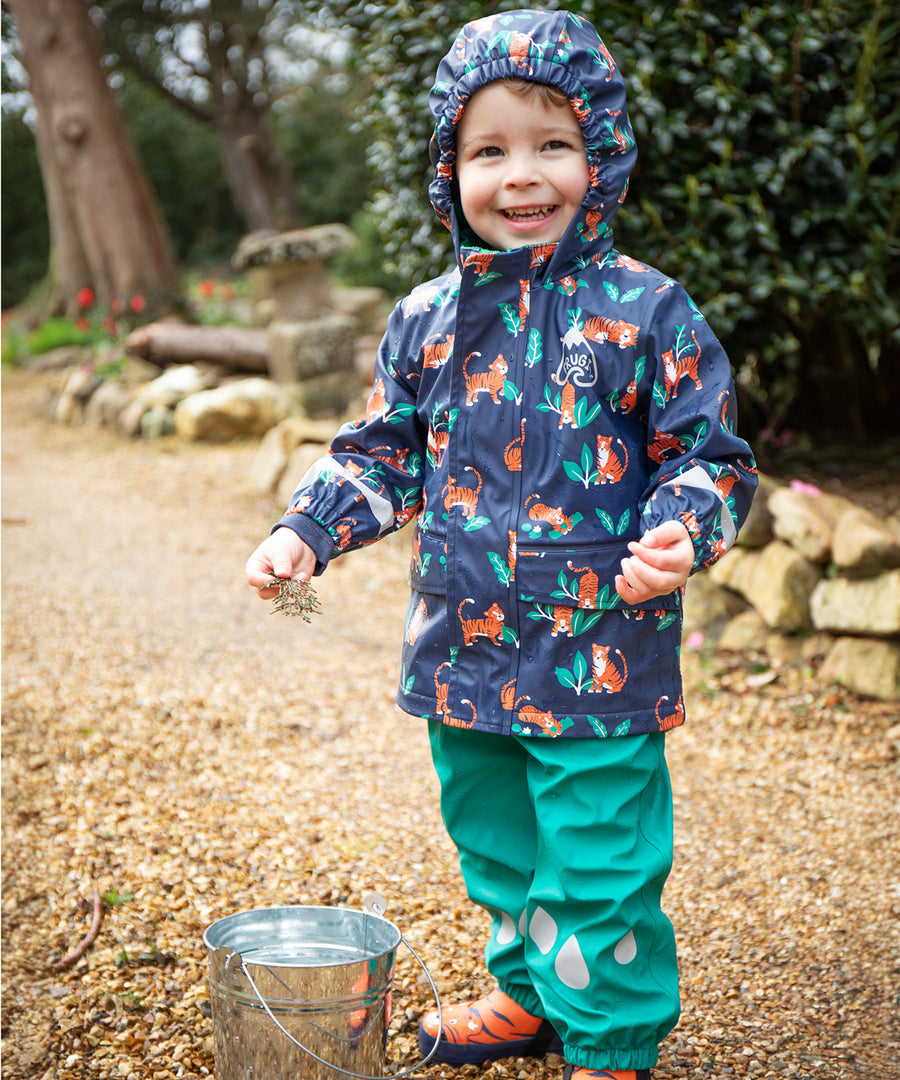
point(559, 420)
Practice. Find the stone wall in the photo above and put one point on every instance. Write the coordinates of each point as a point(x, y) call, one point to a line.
point(818, 578)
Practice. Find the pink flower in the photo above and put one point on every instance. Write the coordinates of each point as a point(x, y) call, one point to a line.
point(694, 641)
point(804, 488)
point(85, 298)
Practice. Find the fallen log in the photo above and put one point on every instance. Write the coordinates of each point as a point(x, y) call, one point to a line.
point(238, 348)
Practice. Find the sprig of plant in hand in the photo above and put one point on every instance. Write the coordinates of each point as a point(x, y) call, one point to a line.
point(294, 598)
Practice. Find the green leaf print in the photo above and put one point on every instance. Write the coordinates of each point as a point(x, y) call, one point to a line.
point(623, 728)
point(583, 473)
point(632, 294)
point(511, 392)
point(473, 524)
point(483, 279)
point(622, 527)
point(607, 521)
point(582, 417)
point(535, 350)
point(576, 679)
point(599, 727)
point(667, 620)
point(612, 291)
point(501, 569)
point(398, 414)
point(508, 634)
point(511, 318)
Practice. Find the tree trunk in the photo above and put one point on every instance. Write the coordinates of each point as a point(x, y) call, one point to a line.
point(261, 182)
point(106, 231)
point(237, 348)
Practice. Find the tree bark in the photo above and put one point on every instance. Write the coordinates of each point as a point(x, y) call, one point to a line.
point(106, 231)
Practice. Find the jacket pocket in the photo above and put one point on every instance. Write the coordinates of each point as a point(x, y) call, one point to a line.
point(581, 576)
point(428, 563)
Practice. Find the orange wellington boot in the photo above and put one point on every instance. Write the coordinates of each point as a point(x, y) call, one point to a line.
point(484, 1030)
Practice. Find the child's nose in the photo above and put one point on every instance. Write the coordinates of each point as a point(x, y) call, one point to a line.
point(522, 171)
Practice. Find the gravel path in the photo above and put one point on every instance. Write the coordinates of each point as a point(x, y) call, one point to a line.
point(168, 739)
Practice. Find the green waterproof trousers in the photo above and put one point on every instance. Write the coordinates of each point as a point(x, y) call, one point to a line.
point(568, 843)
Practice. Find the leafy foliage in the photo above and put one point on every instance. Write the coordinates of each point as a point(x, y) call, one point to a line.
point(767, 179)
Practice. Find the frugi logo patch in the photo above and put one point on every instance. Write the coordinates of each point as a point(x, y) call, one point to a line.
point(578, 364)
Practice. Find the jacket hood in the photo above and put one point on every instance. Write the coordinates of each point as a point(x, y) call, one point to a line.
point(564, 51)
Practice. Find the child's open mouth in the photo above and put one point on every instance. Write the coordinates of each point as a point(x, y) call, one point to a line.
point(530, 213)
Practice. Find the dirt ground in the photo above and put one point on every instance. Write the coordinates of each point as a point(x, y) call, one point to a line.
point(169, 740)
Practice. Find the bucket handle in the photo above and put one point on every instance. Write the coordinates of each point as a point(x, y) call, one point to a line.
point(374, 905)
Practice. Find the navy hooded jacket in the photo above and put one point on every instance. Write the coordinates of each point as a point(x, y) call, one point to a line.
point(534, 410)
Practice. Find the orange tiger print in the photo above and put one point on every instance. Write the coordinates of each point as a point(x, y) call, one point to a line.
point(552, 515)
point(512, 455)
point(631, 264)
point(566, 404)
point(437, 354)
point(438, 441)
point(606, 678)
point(544, 719)
point(562, 620)
point(481, 261)
point(396, 457)
point(465, 497)
point(662, 443)
point(524, 300)
point(422, 298)
point(592, 221)
point(610, 466)
point(377, 401)
point(491, 626)
point(511, 551)
point(588, 586)
point(300, 505)
point(485, 382)
point(629, 399)
point(676, 369)
point(441, 690)
point(541, 253)
point(616, 331)
point(455, 722)
point(666, 723)
point(528, 714)
point(520, 51)
point(416, 622)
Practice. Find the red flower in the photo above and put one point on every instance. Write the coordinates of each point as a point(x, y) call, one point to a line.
point(207, 289)
point(137, 303)
point(85, 298)
point(82, 325)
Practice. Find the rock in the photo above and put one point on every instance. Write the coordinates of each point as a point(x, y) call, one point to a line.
point(316, 244)
point(130, 418)
point(297, 465)
point(865, 666)
point(744, 633)
point(157, 422)
point(865, 543)
point(327, 395)
point(280, 441)
point(858, 606)
point(364, 304)
point(107, 404)
point(246, 407)
point(807, 521)
point(756, 531)
point(708, 606)
point(287, 272)
point(175, 384)
point(777, 581)
point(78, 385)
point(300, 350)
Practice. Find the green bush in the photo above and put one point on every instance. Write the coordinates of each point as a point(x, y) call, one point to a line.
point(766, 181)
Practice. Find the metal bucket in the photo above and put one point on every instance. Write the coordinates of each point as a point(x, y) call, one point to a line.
point(302, 992)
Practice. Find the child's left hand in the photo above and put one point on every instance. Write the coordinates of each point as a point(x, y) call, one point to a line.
point(660, 562)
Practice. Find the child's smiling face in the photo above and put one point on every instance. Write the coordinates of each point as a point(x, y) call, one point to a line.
point(521, 167)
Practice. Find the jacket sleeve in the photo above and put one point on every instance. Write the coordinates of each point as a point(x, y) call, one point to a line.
point(701, 473)
point(370, 481)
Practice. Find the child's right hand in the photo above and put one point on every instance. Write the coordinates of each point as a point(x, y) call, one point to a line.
point(284, 555)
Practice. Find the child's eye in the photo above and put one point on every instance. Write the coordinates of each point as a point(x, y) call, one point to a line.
point(557, 144)
point(490, 151)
